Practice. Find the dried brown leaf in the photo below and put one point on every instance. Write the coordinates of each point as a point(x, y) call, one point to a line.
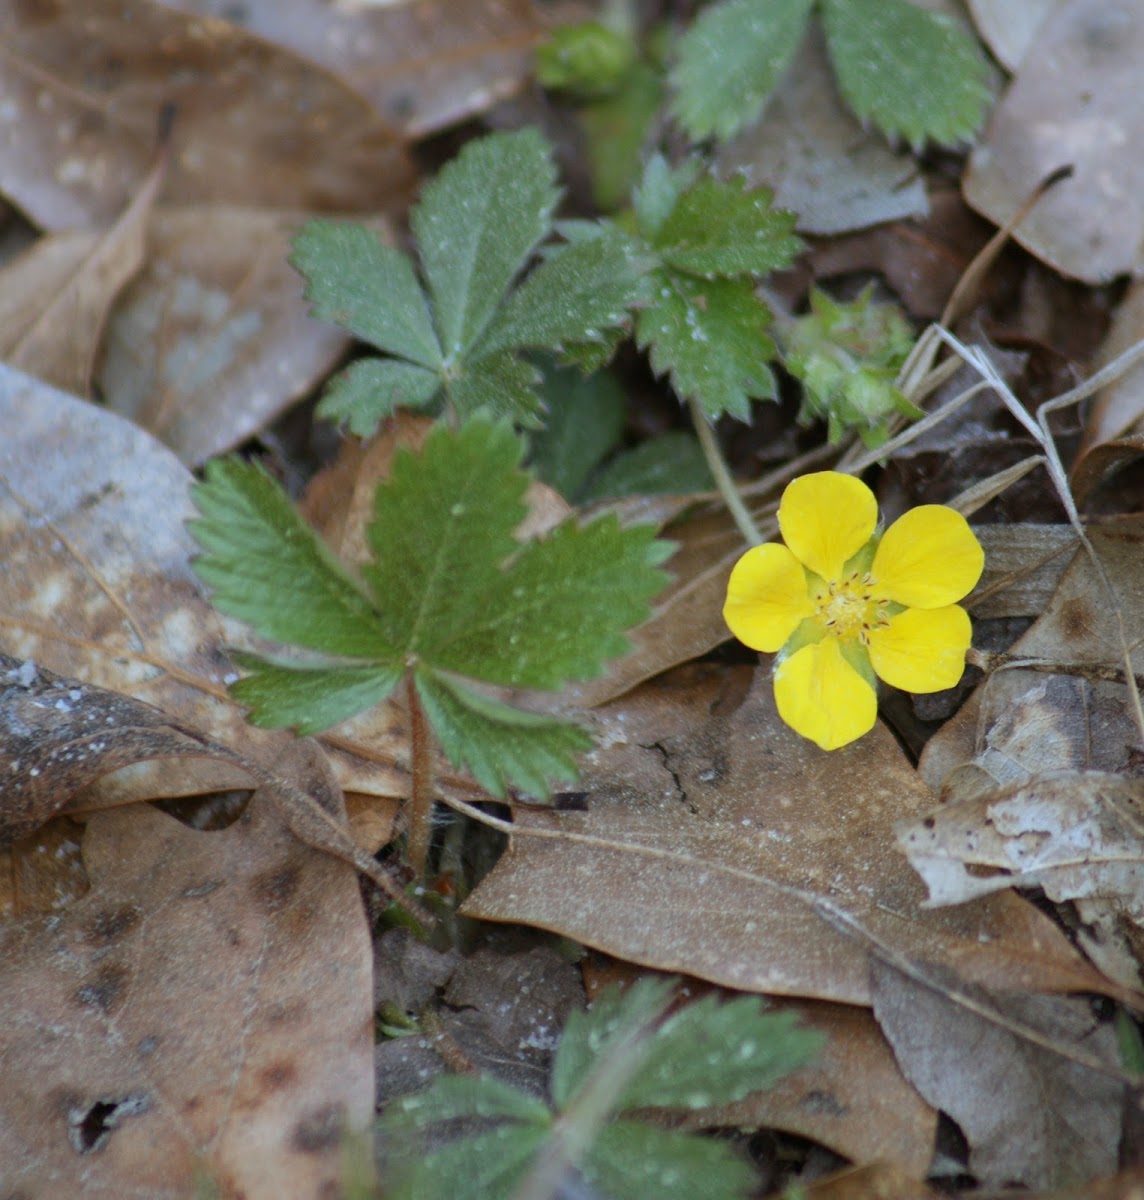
point(206, 1008)
point(719, 843)
point(85, 81)
point(1031, 1116)
point(1075, 100)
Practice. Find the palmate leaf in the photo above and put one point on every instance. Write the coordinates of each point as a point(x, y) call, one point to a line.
point(476, 225)
point(710, 336)
point(721, 229)
point(354, 281)
point(500, 746)
point(450, 592)
point(914, 74)
point(631, 1160)
point(730, 61)
point(267, 567)
point(485, 1166)
point(372, 388)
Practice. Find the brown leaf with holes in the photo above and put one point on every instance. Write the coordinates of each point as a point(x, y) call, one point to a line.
point(204, 1010)
point(423, 65)
point(85, 81)
point(719, 843)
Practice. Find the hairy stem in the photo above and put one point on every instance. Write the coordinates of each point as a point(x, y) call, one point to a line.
point(722, 476)
point(421, 782)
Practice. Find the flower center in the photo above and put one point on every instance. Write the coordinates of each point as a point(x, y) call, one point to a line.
point(850, 608)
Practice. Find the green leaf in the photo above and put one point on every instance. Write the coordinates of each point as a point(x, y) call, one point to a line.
point(659, 191)
point(730, 61)
point(443, 524)
point(585, 423)
point(486, 1166)
point(501, 385)
point(595, 1035)
point(580, 290)
point(558, 610)
point(671, 462)
point(470, 1095)
point(369, 289)
point(267, 567)
point(499, 745)
point(310, 698)
point(711, 1053)
point(720, 228)
point(371, 388)
point(631, 1161)
point(710, 335)
point(914, 74)
point(476, 225)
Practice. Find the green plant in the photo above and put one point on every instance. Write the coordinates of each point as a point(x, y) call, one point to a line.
point(451, 604)
point(621, 1056)
point(913, 74)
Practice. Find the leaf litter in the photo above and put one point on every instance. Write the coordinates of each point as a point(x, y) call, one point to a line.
point(709, 842)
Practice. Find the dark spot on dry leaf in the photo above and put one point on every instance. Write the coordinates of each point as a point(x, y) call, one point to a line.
point(285, 1014)
point(1076, 618)
point(275, 888)
point(320, 1129)
point(90, 1126)
point(148, 1045)
point(277, 1076)
point(105, 991)
point(112, 923)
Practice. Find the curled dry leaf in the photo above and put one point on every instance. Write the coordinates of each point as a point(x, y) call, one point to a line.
point(1076, 100)
point(97, 586)
point(55, 298)
point(423, 66)
point(213, 339)
point(1077, 836)
point(994, 1083)
point(83, 83)
point(205, 1008)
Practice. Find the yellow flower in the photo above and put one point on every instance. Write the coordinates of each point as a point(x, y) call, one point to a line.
point(844, 604)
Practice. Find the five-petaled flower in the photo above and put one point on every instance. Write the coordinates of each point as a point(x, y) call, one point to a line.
point(843, 604)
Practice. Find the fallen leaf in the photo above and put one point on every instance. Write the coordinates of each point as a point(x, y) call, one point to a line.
point(97, 586)
point(1077, 836)
point(213, 340)
point(718, 843)
point(54, 299)
point(205, 1009)
point(1075, 100)
point(1031, 1115)
point(423, 66)
point(83, 83)
point(1009, 27)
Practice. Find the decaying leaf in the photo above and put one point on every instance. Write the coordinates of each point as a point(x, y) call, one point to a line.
point(83, 83)
point(54, 299)
point(719, 843)
point(1031, 1115)
point(1075, 100)
point(204, 1012)
point(423, 66)
point(213, 340)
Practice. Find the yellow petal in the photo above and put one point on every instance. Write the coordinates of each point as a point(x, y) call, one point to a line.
point(821, 696)
point(766, 597)
point(922, 649)
point(928, 558)
point(826, 518)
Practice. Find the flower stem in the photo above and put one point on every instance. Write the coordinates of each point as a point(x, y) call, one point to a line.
point(723, 481)
point(421, 782)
